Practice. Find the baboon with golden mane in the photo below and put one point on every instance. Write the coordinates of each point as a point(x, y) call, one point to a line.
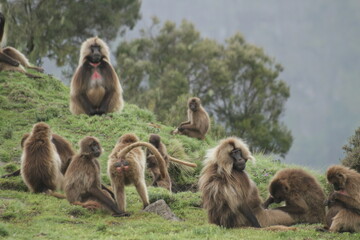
point(230, 197)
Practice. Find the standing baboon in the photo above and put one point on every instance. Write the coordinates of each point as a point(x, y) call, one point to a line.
point(82, 179)
point(230, 197)
point(11, 59)
point(198, 122)
point(95, 86)
point(63, 148)
point(40, 162)
point(153, 165)
point(126, 165)
point(302, 193)
point(345, 200)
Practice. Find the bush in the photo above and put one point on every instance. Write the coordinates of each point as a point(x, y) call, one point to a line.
point(352, 151)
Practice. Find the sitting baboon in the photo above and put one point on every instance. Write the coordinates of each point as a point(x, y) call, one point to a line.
point(230, 197)
point(302, 193)
point(63, 148)
point(344, 202)
point(198, 122)
point(82, 179)
point(13, 60)
point(40, 162)
point(126, 165)
point(95, 86)
point(152, 163)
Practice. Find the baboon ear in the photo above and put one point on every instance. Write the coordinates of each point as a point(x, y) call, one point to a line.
point(286, 186)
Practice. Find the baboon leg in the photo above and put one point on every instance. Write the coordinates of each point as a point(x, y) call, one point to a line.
point(103, 187)
point(142, 190)
point(18, 56)
point(9, 60)
point(120, 196)
point(107, 202)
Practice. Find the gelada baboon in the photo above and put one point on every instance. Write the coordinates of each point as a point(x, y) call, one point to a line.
point(95, 86)
point(230, 197)
point(153, 165)
point(344, 202)
point(13, 60)
point(40, 162)
point(82, 179)
point(198, 122)
point(302, 193)
point(126, 165)
point(63, 148)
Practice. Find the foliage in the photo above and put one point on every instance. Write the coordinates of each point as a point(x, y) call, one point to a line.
point(71, 22)
point(237, 83)
point(352, 151)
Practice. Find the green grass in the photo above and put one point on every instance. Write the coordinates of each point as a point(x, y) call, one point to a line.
point(23, 215)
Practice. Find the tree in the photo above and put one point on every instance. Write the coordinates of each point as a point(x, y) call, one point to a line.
point(352, 151)
point(237, 83)
point(56, 28)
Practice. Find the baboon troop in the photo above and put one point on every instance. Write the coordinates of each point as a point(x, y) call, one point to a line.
point(13, 60)
point(230, 197)
point(95, 87)
point(302, 194)
point(198, 122)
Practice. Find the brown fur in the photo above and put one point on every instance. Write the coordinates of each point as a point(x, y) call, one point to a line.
point(198, 122)
point(63, 147)
point(346, 183)
point(152, 163)
point(13, 60)
point(302, 193)
point(82, 179)
point(230, 197)
point(95, 95)
point(126, 165)
point(40, 162)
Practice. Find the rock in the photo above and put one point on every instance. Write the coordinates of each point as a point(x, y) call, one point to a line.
point(161, 208)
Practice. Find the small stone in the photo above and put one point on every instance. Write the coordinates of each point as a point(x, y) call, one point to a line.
point(161, 208)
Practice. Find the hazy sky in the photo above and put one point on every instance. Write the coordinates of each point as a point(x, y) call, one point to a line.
point(317, 42)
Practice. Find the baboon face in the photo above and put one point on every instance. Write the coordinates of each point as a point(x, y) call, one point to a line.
point(95, 56)
point(95, 148)
point(278, 191)
point(338, 181)
point(193, 104)
point(239, 163)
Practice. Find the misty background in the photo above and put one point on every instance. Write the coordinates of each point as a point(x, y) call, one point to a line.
point(315, 41)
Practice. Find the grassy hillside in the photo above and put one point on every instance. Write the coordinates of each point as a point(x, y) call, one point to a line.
point(25, 101)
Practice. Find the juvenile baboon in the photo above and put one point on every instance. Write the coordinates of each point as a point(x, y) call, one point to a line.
point(345, 199)
point(302, 193)
point(95, 86)
point(198, 122)
point(82, 179)
point(63, 148)
point(40, 162)
point(152, 163)
point(126, 165)
point(230, 197)
point(13, 60)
